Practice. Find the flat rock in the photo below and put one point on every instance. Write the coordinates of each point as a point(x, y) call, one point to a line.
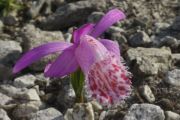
point(71, 14)
point(24, 81)
point(33, 37)
point(173, 77)
point(3, 115)
point(149, 61)
point(46, 114)
point(144, 112)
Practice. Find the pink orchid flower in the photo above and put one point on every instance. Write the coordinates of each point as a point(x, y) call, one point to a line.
point(106, 76)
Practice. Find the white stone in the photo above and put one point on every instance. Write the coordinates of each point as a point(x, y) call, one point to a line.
point(144, 112)
point(3, 115)
point(9, 51)
point(31, 94)
point(172, 115)
point(4, 99)
point(96, 106)
point(24, 81)
point(147, 93)
point(69, 114)
point(12, 91)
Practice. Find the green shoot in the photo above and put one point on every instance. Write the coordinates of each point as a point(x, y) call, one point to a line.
point(8, 6)
point(77, 81)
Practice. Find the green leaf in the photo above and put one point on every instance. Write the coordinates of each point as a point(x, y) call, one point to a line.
point(77, 81)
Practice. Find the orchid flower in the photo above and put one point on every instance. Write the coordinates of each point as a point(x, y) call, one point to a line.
point(106, 77)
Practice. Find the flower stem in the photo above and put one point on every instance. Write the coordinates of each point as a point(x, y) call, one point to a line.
point(77, 81)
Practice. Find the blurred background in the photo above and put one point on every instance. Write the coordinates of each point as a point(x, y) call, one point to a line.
point(149, 40)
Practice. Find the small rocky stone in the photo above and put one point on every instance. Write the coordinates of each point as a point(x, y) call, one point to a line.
point(96, 106)
point(36, 7)
point(176, 59)
point(116, 33)
point(80, 111)
point(9, 51)
point(149, 61)
point(176, 23)
point(7, 73)
point(41, 80)
point(144, 112)
point(10, 20)
point(140, 39)
point(118, 37)
point(147, 93)
point(173, 77)
point(114, 29)
point(58, 3)
point(20, 93)
point(3, 115)
point(161, 26)
point(69, 14)
point(31, 94)
point(114, 114)
point(166, 104)
point(69, 114)
point(102, 115)
point(169, 41)
point(68, 37)
point(33, 37)
point(1, 25)
point(4, 100)
point(172, 115)
point(25, 81)
point(95, 17)
point(25, 109)
point(46, 114)
point(174, 3)
point(12, 91)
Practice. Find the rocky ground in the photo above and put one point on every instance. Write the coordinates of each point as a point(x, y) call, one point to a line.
point(150, 44)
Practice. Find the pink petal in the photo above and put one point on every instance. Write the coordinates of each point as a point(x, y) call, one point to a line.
point(84, 30)
point(65, 64)
point(108, 81)
point(112, 46)
point(109, 19)
point(39, 52)
point(89, 51)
